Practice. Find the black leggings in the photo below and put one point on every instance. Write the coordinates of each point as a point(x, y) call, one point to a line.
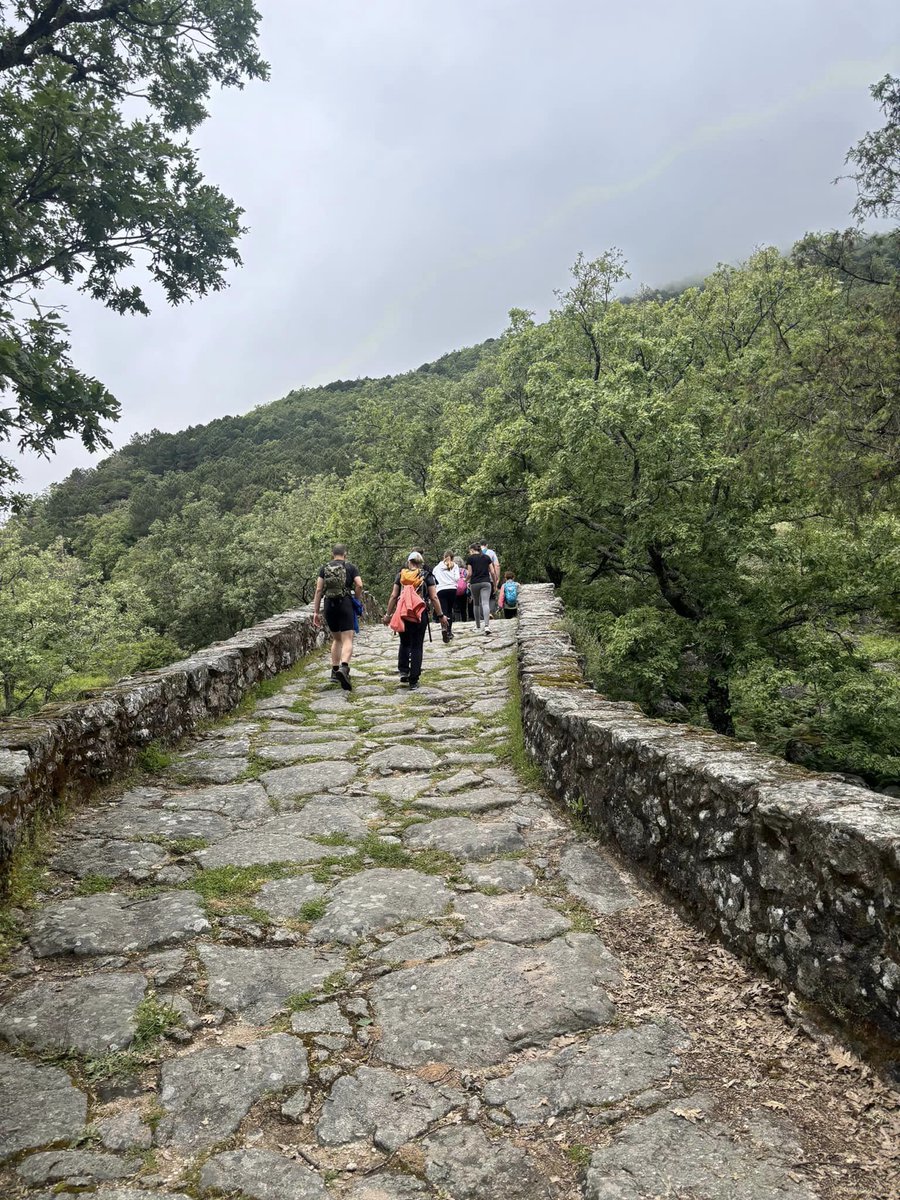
point(446, 601)
point(409, 656)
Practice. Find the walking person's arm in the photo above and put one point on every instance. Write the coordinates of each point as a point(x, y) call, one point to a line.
point(317, 601)
point(392, 604)
point(358, 587)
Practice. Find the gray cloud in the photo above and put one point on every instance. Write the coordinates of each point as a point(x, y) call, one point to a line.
point(414, 169)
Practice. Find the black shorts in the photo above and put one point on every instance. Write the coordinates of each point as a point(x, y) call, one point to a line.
point(510, 611)
point(339, 614)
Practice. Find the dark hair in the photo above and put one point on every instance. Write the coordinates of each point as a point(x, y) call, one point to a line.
point(448, 554)
point(338, 550)
point(509, 575)
point(475, 546)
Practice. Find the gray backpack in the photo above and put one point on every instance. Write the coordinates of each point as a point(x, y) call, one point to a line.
point(335, 581)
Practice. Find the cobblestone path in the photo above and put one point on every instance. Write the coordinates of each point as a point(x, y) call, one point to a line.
point(337, 948)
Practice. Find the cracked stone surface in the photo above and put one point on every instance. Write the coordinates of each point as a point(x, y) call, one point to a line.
point(275, 842)
point(594, 880)
point(292, 783)
point(470, 1166)
point(124, 1131)
point(206, 1094)
point(604, 1070)
point(476, 1009)
point(283, 898)
point(261, 1175)
point(505, 874)
point(402, 787)
point(256, 982)
point(324, 1018)
point(160, 824)
point(402, 758)
point(390, 1187)
point(475, 800)
point(423, 944)
point(664, 1154)
point(465, 838)
point(240, 802)
point(93, 1015)
point(115, 924)
point(108, 857)
point(50, 1166)
point(378, 899)
point(322, 815)
point(39, 1105)
point(290, 753)
point(383, 1107)
point(509, 918)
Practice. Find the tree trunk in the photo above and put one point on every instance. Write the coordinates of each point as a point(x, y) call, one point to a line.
point(717, 703)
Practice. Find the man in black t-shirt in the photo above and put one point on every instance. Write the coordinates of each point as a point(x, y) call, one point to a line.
point(338, 583)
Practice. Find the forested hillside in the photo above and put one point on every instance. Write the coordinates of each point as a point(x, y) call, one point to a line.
point(711, 477)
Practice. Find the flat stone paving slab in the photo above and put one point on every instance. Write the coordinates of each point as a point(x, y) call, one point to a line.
point(322, 815)
point(281, 753)
point(209, 769)
point(667, 1155)
point(592, 878)
point(274, 842)
point(293, 783)
point(383, 1107)
point(465, 838)
point(207, 1094)
point(603, 1070)
point(283, 898)
point(468, 1165)
point(114, 924)
point(261, 1175)
point(509, 918)
point(505, 874)
point(255, 982)
point(40, 1105)
point(475, 1009)
point(242, 803)
point(378, 899)
point(423, 944)
point(158, 824)
point(108, 857)
point(474, 800)
point(75, 1166)
point(402, 758)
point(390, 1186)
point(401, 787)
point(92, 1015)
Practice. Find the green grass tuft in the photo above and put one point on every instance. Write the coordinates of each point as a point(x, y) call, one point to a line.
point(312, 910)
point(92, 885)
point(154, 758)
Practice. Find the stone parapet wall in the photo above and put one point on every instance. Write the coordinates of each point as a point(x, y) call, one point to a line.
point(799, 871)
point(66, 749)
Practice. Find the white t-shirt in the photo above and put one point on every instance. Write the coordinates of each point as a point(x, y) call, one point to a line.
point(492, 555)
point(445, 577)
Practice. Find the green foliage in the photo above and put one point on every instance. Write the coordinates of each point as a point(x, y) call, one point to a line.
point(92, 885)
point(96, 175)
point(154, 758)
point(312, 910)
point(876, 157)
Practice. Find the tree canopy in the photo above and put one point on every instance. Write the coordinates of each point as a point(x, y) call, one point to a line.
point(99, 185)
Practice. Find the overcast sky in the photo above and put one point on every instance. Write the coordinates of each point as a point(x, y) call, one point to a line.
point(416, 168)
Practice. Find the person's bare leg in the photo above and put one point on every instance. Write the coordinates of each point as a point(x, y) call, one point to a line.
point(346, 647)
point(336, 649)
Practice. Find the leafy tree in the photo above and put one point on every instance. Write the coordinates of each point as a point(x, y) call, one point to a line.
point(89, 192)
point(876, 157)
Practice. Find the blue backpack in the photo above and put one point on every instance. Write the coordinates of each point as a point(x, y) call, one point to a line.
point(510, 593)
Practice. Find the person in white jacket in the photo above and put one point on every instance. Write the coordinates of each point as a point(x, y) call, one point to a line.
point(446, 577)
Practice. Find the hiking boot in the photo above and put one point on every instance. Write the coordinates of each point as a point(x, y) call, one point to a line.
point(404, 678)
point(446, 635)
point(335, 675)
point(343, 677)
point(414, 683)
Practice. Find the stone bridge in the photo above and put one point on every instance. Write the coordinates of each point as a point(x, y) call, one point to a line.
point(345, 945)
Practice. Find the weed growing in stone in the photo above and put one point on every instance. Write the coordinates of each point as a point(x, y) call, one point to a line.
point(154, 758)
point(580, 1155)
point(185, 845)
point(92, 885)
point(153, 1019)
point(312, 910)
point(229, 883)
point(299, 1002)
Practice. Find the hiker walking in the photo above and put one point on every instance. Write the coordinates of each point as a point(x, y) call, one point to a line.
point(495, 590)
point(446, 577)
point(407, 614)
point(338, 585)
point(509, 596)
point(481, 574)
